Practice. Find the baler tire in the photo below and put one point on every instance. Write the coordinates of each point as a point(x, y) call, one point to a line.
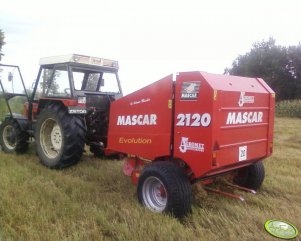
point(20, 142)
point(166, 177)
point(251, 176)
point(60, 137)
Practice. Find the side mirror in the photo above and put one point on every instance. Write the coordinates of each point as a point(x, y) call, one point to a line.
point(10, 76)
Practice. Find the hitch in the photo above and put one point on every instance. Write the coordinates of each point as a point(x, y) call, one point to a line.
point(227, 194)
point(231, 195)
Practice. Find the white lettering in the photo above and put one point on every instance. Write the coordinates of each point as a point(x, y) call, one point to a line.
point(153, 119)
point(134, 120)
point(260, 115)
point(120, 120)
point(250, 117)
point(206, 119)
point(73, 111)
point(238, 118)
point(140, 120)
point(145, 120)
point(231, 118)
point(128, 120)
point(234, 118)
point(245, 117)
point(194, 120)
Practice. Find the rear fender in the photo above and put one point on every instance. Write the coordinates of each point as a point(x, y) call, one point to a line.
point(44, 102)
point(21, 120)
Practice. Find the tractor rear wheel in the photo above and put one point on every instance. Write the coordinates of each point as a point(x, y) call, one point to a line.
point(13, 138)
point(60, 137)
point(163, 187)
point(251, 176)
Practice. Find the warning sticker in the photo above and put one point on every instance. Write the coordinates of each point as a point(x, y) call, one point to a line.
point(242, 153)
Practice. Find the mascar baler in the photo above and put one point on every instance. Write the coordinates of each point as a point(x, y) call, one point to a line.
point(192, 127)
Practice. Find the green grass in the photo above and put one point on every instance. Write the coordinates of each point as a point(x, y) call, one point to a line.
point(95, 201)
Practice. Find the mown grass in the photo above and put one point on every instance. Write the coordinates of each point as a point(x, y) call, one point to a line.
point(95, 201)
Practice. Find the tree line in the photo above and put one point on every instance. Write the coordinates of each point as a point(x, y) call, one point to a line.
point(278, 65)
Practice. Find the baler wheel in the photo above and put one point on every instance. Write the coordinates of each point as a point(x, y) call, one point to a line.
point(13, 138)
point(60, 137)
point(163, 187)
point(251, 176)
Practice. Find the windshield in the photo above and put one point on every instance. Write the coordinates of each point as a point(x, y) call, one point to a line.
point(91, 80)
point(11, 80)
point(53, 82)
point(12, 91)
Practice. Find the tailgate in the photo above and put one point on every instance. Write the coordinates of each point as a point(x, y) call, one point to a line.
point(244, 120)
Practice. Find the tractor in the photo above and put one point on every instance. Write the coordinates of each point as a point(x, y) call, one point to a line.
point(67, 108)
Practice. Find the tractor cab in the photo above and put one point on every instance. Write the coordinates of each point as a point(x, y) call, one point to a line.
point(80, 82)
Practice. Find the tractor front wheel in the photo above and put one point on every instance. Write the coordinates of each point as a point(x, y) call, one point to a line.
point(60, 137)
point(163, 187)
point(13, 138)
point(251, 176)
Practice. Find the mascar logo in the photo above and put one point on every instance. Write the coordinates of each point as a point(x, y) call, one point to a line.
point(190, 90)
point(281, 229)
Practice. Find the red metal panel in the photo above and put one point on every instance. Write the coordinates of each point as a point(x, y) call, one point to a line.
point(141, 123)
point(240, 127)
point(193, 121)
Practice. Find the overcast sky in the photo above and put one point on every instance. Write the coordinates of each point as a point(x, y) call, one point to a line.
point(150, 39)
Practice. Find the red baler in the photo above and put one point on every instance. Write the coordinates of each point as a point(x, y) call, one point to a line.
point(192, 126)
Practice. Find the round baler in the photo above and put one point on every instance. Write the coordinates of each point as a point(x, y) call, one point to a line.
point(193, 127)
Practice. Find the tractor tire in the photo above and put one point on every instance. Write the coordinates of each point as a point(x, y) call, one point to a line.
point(251, 176)
point(163, 187)
point(13, 138)
point(60, 137)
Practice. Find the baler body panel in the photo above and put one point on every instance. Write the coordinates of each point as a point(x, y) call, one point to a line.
point(140, 123)
point(234, 126)
point(193, 121)
point(214, 123)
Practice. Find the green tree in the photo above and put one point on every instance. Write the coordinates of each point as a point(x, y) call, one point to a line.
point(1, 42)
point(279, 66)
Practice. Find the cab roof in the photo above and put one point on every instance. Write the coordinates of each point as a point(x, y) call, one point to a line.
point(79, 60)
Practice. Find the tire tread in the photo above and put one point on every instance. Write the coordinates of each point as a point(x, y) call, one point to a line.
point(74, 136)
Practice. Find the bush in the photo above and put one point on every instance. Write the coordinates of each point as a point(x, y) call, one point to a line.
point(289, 108)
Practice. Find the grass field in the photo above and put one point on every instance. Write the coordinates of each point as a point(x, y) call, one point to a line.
point(95, 201)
